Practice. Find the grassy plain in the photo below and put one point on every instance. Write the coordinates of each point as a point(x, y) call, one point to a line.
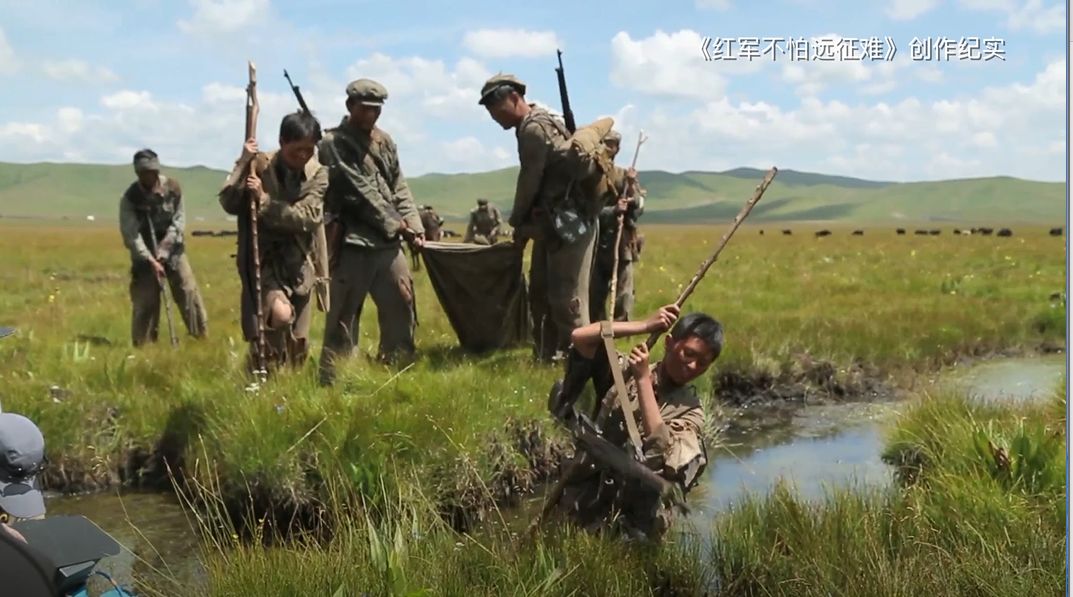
point(456, 433)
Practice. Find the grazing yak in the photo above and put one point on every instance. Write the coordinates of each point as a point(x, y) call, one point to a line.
point(1005, 232)
point(1056, 232)
point(823, 233)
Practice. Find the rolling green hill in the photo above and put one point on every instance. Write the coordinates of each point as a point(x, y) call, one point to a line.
point(74, 191)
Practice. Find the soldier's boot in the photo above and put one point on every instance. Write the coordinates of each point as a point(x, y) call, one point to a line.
point(566, 392)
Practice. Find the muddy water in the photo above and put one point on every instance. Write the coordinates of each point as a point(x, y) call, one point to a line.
point(159, 545)
point(819, 447)
point(813, 448)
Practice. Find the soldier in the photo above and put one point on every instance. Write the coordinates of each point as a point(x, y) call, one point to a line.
point(289, 186)
point(484, 223)
point(151, 213)
point(367, 193)
point(562, 260)
point(631, 206)
point(668, 414)
point(432, 223)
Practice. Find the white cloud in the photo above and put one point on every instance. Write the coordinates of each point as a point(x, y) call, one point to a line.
point(223, 16)
point(69, 120)
point(1024, 14)
point(671, 65)
point(77, 70)
point(129, 100)
point(470, 154)
point(906, 10)
point(9, 63)
point(432, 86)
point(716, 4)
point(509, 43)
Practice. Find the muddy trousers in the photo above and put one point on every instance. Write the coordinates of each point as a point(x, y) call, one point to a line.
point(145, 300)
point(600, 288)
point(559, 276)
point(384, 274)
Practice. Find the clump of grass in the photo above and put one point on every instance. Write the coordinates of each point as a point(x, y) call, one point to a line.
point(982, 513)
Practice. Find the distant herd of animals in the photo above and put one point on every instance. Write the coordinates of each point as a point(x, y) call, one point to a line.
point(932, 232)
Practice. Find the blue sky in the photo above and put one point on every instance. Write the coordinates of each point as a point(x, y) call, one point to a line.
point(97, 80)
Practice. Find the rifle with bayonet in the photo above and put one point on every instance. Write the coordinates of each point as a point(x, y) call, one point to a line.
point(253, 109)
point(564, 96)
point(588, 433)
point(321, 248)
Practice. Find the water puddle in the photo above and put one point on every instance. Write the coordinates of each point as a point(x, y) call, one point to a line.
point(1019, 380)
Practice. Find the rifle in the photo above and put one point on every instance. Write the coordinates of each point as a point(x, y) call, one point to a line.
point(618, 232)
point(297, 93)
point(609, 400)
point(253, 108)
point(564, 97)
point(163, 290)
point(322, 259)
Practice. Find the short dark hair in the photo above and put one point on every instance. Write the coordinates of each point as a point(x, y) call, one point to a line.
point(144, 154)
point(702, 326)
point(298, 127)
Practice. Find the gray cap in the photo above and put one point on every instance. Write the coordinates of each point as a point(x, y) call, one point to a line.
point(613, 136)
point(482, 202)
point(500, 80)
point(367, 91)
point(147, 163)
point(22, 458)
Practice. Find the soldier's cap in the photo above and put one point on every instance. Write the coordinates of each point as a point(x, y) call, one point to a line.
point(22, 458)
point(482, 202)
point(500, 80)
point(145, 163)
point(367, 92)
point(614, 136)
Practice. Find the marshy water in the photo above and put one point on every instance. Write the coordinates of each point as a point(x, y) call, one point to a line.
point(811, 447)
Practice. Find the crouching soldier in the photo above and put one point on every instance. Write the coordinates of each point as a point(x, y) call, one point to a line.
point(667, 414)
point(288, 186)
point(152, 221)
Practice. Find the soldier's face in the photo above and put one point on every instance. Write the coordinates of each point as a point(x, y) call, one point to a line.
point(687, 359)
point(363, 116)
point(612, 148)
point(295, 154)
point(148, 178)
point(505, 112)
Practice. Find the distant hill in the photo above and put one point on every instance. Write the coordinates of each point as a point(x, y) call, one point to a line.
point(77, 190)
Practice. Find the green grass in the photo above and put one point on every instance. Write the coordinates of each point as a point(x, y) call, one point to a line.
point(447, 429)
point(981, 512)
point(78, 190)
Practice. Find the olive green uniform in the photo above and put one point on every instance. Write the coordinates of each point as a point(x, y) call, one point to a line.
point(367, 193)
point(287, 233)
point(484, 223)
point(604, 261)
point(163, 207)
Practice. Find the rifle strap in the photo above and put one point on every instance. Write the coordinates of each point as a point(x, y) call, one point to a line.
point(622, 397)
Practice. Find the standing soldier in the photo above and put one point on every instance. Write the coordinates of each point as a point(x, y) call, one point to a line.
point(368, 195)
point(151, 214)
point(432, 223)
point(288, 185)
point(631, 206)
point(484, 223)
point(561, 263)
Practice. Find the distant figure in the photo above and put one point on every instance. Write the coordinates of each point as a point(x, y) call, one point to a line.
point(1056, 232)
point(935, 232)
point(432, 222)
point(823, 233)
point(986, 231)
point(858, 233)
point(1005, 232)
point(484, 223)
point(920, 232)
point(957, 230)
point(787, 232)
point(152, 220)
point(901, 231)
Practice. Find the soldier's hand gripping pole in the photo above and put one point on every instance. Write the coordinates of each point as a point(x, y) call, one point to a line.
point(609, 400)
point(163, 285)
point(253, 108)
point(618, 230)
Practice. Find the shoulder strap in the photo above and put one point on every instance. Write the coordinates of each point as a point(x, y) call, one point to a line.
point(607, 333)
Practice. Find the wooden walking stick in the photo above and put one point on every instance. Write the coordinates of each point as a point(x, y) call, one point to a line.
point(163, 290)
point(612, 397)
point(253, 109)
point(618, 231)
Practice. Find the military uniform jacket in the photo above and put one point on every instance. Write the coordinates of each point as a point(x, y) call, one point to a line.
point(676, 450)
point(544, 174)
point(367, 191)
point(484, 221)
point(609, 221)
point(287, 226)
point(163, 206)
